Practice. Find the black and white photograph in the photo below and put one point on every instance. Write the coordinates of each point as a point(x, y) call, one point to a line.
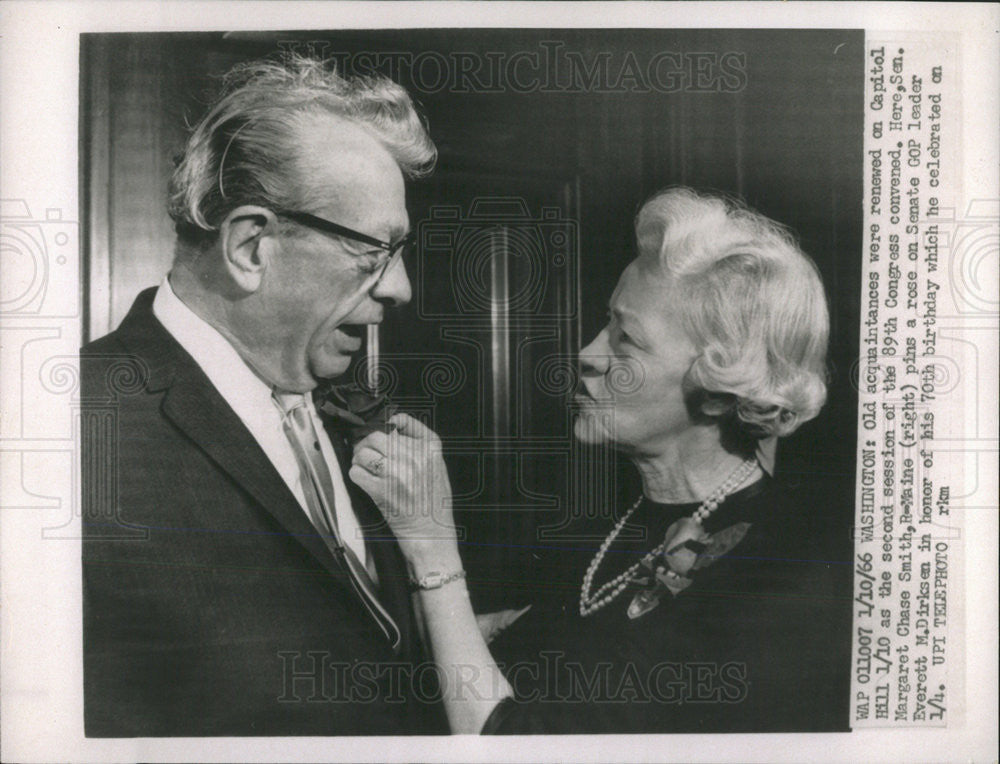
point(425, 380)
point(591, 297)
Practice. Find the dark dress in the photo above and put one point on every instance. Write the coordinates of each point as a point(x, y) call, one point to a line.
point(747, 647)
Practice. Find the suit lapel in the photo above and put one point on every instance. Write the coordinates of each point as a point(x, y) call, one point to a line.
point(197, 408)
point(382, 545)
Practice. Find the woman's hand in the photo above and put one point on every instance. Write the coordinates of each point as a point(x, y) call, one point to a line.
point(404, 473)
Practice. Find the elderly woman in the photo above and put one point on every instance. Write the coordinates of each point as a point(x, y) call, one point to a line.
point(715, 343)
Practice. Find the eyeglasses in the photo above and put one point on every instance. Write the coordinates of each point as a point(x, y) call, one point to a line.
point(393, 251)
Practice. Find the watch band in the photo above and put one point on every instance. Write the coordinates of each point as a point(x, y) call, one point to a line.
point(435, 580)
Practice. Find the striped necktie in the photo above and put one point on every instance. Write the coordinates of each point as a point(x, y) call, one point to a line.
point(317, 485)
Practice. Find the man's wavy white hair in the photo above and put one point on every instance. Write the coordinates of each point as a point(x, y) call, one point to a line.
point(753, 304)
point(245, 149)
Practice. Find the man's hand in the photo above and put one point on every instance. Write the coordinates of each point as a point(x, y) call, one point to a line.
point(404, 473)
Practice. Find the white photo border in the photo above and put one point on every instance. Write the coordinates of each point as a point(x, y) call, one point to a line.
point(41, 591)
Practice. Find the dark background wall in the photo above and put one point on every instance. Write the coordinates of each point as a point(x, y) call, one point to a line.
point(524, 228)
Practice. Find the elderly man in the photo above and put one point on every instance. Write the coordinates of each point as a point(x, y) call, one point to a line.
point(235, 581)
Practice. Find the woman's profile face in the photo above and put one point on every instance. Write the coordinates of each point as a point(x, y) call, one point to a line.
point(632, 372)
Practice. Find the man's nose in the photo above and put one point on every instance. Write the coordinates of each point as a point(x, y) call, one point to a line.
point(394, 287)
point(596, 357)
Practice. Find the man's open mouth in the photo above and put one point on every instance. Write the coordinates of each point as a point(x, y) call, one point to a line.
point(349, 338)
point(355, 331)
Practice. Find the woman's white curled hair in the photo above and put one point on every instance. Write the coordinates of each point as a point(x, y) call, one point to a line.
point(244, 150)
point(752, 302)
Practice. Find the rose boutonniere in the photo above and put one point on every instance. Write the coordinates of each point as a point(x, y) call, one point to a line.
point(687, 549)
point(354, 410)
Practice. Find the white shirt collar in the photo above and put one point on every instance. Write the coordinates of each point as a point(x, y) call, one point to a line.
point(246, 393)
point(250, 398)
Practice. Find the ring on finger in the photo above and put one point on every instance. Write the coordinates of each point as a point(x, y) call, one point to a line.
point(376, 466)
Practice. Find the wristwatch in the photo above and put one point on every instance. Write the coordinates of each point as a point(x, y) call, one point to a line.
point(435, 580)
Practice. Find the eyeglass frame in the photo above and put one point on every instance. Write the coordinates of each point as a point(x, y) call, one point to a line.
point(394, 250)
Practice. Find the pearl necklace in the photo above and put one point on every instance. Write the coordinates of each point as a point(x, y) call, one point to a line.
point(591, 603)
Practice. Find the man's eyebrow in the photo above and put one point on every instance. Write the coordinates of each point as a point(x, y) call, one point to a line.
point(391, 226)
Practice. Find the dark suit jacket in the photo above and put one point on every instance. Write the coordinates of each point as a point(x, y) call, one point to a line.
point(211, 606)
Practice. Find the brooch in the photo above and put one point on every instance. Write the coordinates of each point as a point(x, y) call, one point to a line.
point(686, 549)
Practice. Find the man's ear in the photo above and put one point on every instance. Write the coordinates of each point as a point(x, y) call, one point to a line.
point(247, 240)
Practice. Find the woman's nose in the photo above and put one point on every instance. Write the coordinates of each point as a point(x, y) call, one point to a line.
point(596, 357)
